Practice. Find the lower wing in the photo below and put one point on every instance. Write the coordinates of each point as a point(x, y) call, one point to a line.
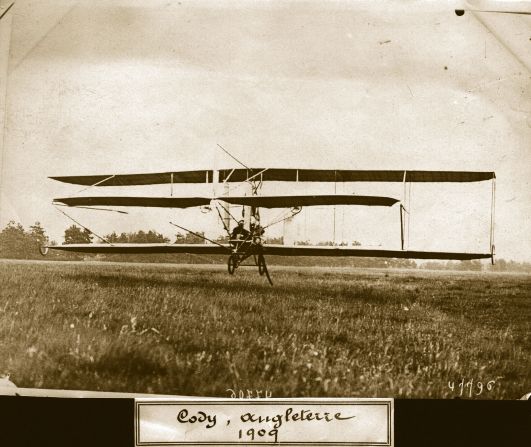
point(202, 249)
point(276, 250)
point(306, 250)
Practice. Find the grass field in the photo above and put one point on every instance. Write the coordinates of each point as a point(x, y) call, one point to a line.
point(195, 330)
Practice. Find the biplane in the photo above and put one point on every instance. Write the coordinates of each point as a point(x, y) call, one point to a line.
point(246, 240)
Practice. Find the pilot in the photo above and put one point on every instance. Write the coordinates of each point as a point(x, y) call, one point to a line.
point(239, 232)
point(257, 231)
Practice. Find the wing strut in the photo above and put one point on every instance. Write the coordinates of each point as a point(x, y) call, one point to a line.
point(197, 234)
point(227, 210)
point(223, 221)
point(97, 183)
point(402, 226)
point(82, 226)
point(6, 10)
point(281, 218)
point(405, 213)
point(232, 156)
point(492, 216)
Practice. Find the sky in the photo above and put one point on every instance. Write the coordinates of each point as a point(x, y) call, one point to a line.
point(104, 87)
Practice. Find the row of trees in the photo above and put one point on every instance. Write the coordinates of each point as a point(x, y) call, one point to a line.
point(138, 237)
point(16, 242)
point(327, 243)
point(501, 265)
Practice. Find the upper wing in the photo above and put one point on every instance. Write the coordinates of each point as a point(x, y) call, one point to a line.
point(304, 250)
point(162, 202)
point(156, 178)
point(335, 175)
point(280, 175)
point(204, 249)
point(310, 200)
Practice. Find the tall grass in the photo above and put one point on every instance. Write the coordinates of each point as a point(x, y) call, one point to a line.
point(317, 332)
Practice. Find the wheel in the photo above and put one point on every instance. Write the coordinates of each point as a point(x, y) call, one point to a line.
point(262, 268)
point(261, 265)
point(232, 263)
point(43, 250)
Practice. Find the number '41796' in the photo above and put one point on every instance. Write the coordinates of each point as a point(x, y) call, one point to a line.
point(472, 387)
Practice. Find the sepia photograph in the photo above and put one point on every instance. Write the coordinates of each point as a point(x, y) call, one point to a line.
point(266, 199)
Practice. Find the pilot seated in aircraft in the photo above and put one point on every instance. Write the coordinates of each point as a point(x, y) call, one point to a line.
point(239, 232)
point(257, 231)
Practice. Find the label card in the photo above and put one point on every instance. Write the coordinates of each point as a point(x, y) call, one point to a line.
point(284, 422)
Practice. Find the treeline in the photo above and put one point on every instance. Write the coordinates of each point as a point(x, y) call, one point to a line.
point(17, 242)
point(501, 265)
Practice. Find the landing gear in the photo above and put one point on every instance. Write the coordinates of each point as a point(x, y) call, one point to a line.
point(232, 263)
point(261, 265)
point(235, 260)
point(262, 268)
point(246, 243)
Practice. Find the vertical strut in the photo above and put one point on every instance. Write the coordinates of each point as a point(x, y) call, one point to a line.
point(409, 211)
point(402, 209)
point(335, 192)
point(404, 184)
point(492, 216)
point(402, 225)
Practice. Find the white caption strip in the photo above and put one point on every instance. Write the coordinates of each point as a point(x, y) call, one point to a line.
point(227, 422)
